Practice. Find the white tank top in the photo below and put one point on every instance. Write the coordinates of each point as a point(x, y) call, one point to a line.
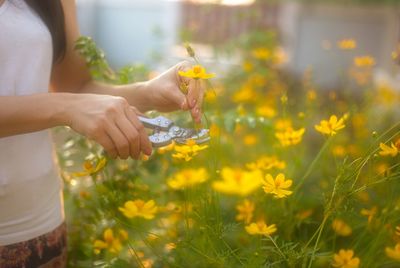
point(30, 192)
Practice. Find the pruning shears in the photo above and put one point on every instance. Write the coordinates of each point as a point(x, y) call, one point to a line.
point(165, 132)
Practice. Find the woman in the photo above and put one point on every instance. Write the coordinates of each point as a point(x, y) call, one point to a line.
point(36, 53)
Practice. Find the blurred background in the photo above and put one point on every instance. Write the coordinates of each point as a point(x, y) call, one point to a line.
point(153, 32)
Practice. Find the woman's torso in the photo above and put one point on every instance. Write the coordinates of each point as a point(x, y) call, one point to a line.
point(30, 196)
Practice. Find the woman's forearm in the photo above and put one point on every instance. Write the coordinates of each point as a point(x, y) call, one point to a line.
point(24, 114)
point(137, 94)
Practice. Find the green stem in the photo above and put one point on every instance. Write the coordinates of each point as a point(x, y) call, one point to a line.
point(314, 162)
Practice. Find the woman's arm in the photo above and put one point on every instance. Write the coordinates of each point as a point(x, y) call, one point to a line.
point(110, 121)
point(161, 93)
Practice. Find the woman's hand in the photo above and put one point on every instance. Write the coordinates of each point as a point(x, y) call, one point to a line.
point(165, 94)
point(111, 122)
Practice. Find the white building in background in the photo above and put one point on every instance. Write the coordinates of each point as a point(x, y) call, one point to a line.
point(310, 34)
point(130, 31)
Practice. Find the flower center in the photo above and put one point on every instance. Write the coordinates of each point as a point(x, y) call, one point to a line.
point(197, 69)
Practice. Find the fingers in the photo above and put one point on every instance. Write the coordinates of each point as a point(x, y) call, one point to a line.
point(145, 145)
point(131, 135)
point(106, 142)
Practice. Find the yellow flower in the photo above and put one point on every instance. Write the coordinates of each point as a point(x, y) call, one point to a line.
point(261, 228)
point(393, 253)
point(169, 147)
point(277, 186)
point(332, 126)
point(188, 151)
point(311, 95)
point(187, 178)
point(90, 168)
point(283, 124)
point(369, 212)
point(391, 150)
point(261, 53)
point(397, 230)
point(345, 259)
point(341, 228)
point(250, 139)
point(247, 66)
point(266, 163)
point(111, 243)
point(197, 72)
point(238, 182)
point(245, 211)
point(265, 111)
point(364, 61)
point(347, 44)
point(245, 94)
point(290, 136)
point(139, 208)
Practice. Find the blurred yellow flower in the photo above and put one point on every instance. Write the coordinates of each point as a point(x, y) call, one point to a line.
point(391, 150)
point(364, 61)
point(187, 178)
point(339, 150)
point(290, 136)
point(397, 230)
point(341, 228)
point(311, 95)
point(370, 213)
point(393, 253)
point(304, 214)
point(265, 111)
point(332, 126)
point(277, 186)
point(266, 163)
point(245, 211)
point(245, 94)
point(347, 44)
point(261, 53)
point(197, 72)
point(238, 182)
point(139, 208)
point(214, 130)
point(283, 124)
point(188, 151)
point(110, 243)
point(169, 147)
point(345, 259)
point(261, 228)
point(247, 66)
point(91, 168)
point(250, 139)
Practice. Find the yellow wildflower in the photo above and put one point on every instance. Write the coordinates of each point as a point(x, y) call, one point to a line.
point(187, 178)
point(364, 61)
point(332, 126)
point(347, 44)
point(341, 228)
point(261, 53)
point(397, 230)
point(393, 253)
point(188, 151)
point(238, 182)
point(245, 94)
point(283, 124)
point(265, 111)
point(261, 228)
point(91, 168)
point(245, 211)
point(391, 150)
point(164, 149)
point(290, 136)
point(266, 163)
point(250, 139)
point(369, 212)
point(139, 208)
point(345, 259)
point(197, 72)
point(277, 186)
point(247, 66)
point(111, 243)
